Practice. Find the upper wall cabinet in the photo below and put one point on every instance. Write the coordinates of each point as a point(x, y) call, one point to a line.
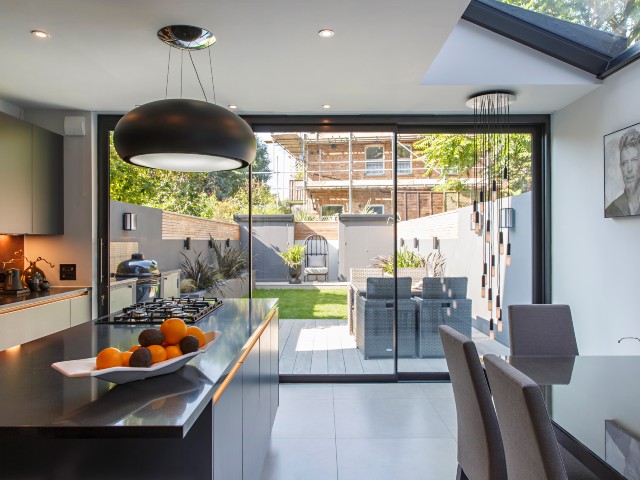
point(31, 178)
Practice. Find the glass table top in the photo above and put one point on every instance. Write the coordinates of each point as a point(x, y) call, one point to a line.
point(586, 395)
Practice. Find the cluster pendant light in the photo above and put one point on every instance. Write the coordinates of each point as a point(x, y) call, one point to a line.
point(185, 135)
point(492, 214)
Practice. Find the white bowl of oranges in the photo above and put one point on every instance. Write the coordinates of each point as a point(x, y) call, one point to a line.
point(160, 351)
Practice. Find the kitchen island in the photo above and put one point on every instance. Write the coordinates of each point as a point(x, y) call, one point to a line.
point(211, 419)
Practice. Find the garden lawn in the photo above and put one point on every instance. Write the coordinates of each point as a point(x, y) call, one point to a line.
point(302, 303)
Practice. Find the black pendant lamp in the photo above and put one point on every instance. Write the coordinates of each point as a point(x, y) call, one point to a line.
point(185, 135)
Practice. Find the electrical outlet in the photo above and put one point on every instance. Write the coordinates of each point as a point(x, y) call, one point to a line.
point(67, 271)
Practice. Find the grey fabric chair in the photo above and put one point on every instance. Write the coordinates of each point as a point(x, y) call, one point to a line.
point(480, 452)
point(374, 324)
point(542, 330)
point(530, 446)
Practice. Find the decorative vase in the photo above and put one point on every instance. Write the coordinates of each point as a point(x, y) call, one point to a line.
point(32, 272)
point(294, 273)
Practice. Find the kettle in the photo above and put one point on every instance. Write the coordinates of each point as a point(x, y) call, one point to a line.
point(12, 282)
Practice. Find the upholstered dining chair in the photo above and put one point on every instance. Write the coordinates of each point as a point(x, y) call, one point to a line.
point(480, 452)
point(530, 446)
point(542, 330)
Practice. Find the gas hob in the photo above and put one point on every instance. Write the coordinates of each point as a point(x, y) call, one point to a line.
point(189, 309)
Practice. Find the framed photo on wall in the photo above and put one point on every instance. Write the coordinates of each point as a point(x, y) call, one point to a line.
point(622, 172)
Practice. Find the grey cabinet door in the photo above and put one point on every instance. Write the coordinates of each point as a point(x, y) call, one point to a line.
point(227, 432)
point(15, 175)
point(252, 441)
point(47, 181)
point(275, 367)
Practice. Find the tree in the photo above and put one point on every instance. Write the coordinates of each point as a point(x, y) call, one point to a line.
point(452, 156)
point(225, 184)
point(619, 17)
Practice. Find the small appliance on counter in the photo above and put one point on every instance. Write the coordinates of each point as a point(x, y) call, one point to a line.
point(12, 284)
point(147, 273)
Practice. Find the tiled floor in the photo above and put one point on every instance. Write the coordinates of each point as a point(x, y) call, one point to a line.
point(400, 431)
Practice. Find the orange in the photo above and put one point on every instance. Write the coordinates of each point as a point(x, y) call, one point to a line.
point(134, 348)
point(158, 353)
point(173, 330)
point(199, 334)
point(109, 357)
point(125, 358)
point(173, 351)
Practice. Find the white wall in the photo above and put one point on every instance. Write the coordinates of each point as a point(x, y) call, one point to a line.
point(595, 260)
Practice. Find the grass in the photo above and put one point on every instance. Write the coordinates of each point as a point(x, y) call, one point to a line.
point(301, 303)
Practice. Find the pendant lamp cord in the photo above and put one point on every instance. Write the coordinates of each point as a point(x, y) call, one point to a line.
point(197, 76)
point(181, 69)
point(213, 85)
point(166, 87)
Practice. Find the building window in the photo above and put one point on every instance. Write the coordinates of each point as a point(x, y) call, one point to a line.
point(379, 209)
point(374, 160)
point(404, 159)
point(331, 210)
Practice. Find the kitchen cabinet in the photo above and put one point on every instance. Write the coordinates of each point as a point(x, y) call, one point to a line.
point(33, 322)
point(170, 286)
point(31, 168)
point(122, 294)
point(227, 432)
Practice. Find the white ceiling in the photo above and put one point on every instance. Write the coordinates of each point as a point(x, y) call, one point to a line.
point(410, 56)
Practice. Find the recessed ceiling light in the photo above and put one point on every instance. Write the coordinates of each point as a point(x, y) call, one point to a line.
point(326, 105)
point(326, 33)
point(40, 34)
point(233, 107)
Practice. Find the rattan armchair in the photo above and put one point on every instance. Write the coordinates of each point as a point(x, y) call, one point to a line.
point(443, 302)
point(375, 313)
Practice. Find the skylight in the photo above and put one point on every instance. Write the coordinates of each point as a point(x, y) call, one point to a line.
point(598, 36)
point(618, 17)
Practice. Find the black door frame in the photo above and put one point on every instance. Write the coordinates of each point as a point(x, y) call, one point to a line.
point(537, 125)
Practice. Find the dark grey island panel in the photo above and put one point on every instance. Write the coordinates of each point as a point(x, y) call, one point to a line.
point(192, 424)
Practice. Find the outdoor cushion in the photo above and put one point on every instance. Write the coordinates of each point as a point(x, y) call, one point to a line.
point(316, 270)
point(314, 261)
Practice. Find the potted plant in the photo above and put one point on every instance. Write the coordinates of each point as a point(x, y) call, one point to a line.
point(293, 257)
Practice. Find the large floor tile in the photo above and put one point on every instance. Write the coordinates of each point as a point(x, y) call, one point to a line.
point(303, 393)
point(446, 408)
point(378, 390)
point(397, 459)
point(305, 419)
point(437, 389)
point(387, 418)
point(296, 459)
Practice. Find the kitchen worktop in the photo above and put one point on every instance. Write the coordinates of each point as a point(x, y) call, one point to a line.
point(39, 401)
point(10, 302)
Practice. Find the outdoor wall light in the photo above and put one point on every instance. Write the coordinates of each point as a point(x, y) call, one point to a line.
point(436, 243)
point(187, 243)
point(507, 218)
point(185, 135)
point(416, 243)
point(401, 242)
point(129, 221)
point(227, 243)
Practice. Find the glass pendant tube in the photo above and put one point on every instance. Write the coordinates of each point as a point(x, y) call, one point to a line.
point(501, 242)
point(492, 335)
point(490, 300)
point(508, 258)
point(493, 266)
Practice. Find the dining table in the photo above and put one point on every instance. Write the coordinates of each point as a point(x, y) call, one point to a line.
point(594, 406)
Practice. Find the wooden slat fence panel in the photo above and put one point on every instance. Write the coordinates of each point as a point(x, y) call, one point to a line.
point(176, 226)
point(328, 230)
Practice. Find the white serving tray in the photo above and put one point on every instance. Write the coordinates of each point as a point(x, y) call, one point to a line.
point(86, 367)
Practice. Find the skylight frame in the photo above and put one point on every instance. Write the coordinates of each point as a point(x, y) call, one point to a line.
point(539, 31)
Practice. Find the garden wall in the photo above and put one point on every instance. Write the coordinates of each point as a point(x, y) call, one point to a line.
point(161, 235)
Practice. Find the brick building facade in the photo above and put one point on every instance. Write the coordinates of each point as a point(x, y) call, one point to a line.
point(338, 174)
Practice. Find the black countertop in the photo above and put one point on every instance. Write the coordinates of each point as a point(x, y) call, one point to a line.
point(33, 297)
point(37, 400)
